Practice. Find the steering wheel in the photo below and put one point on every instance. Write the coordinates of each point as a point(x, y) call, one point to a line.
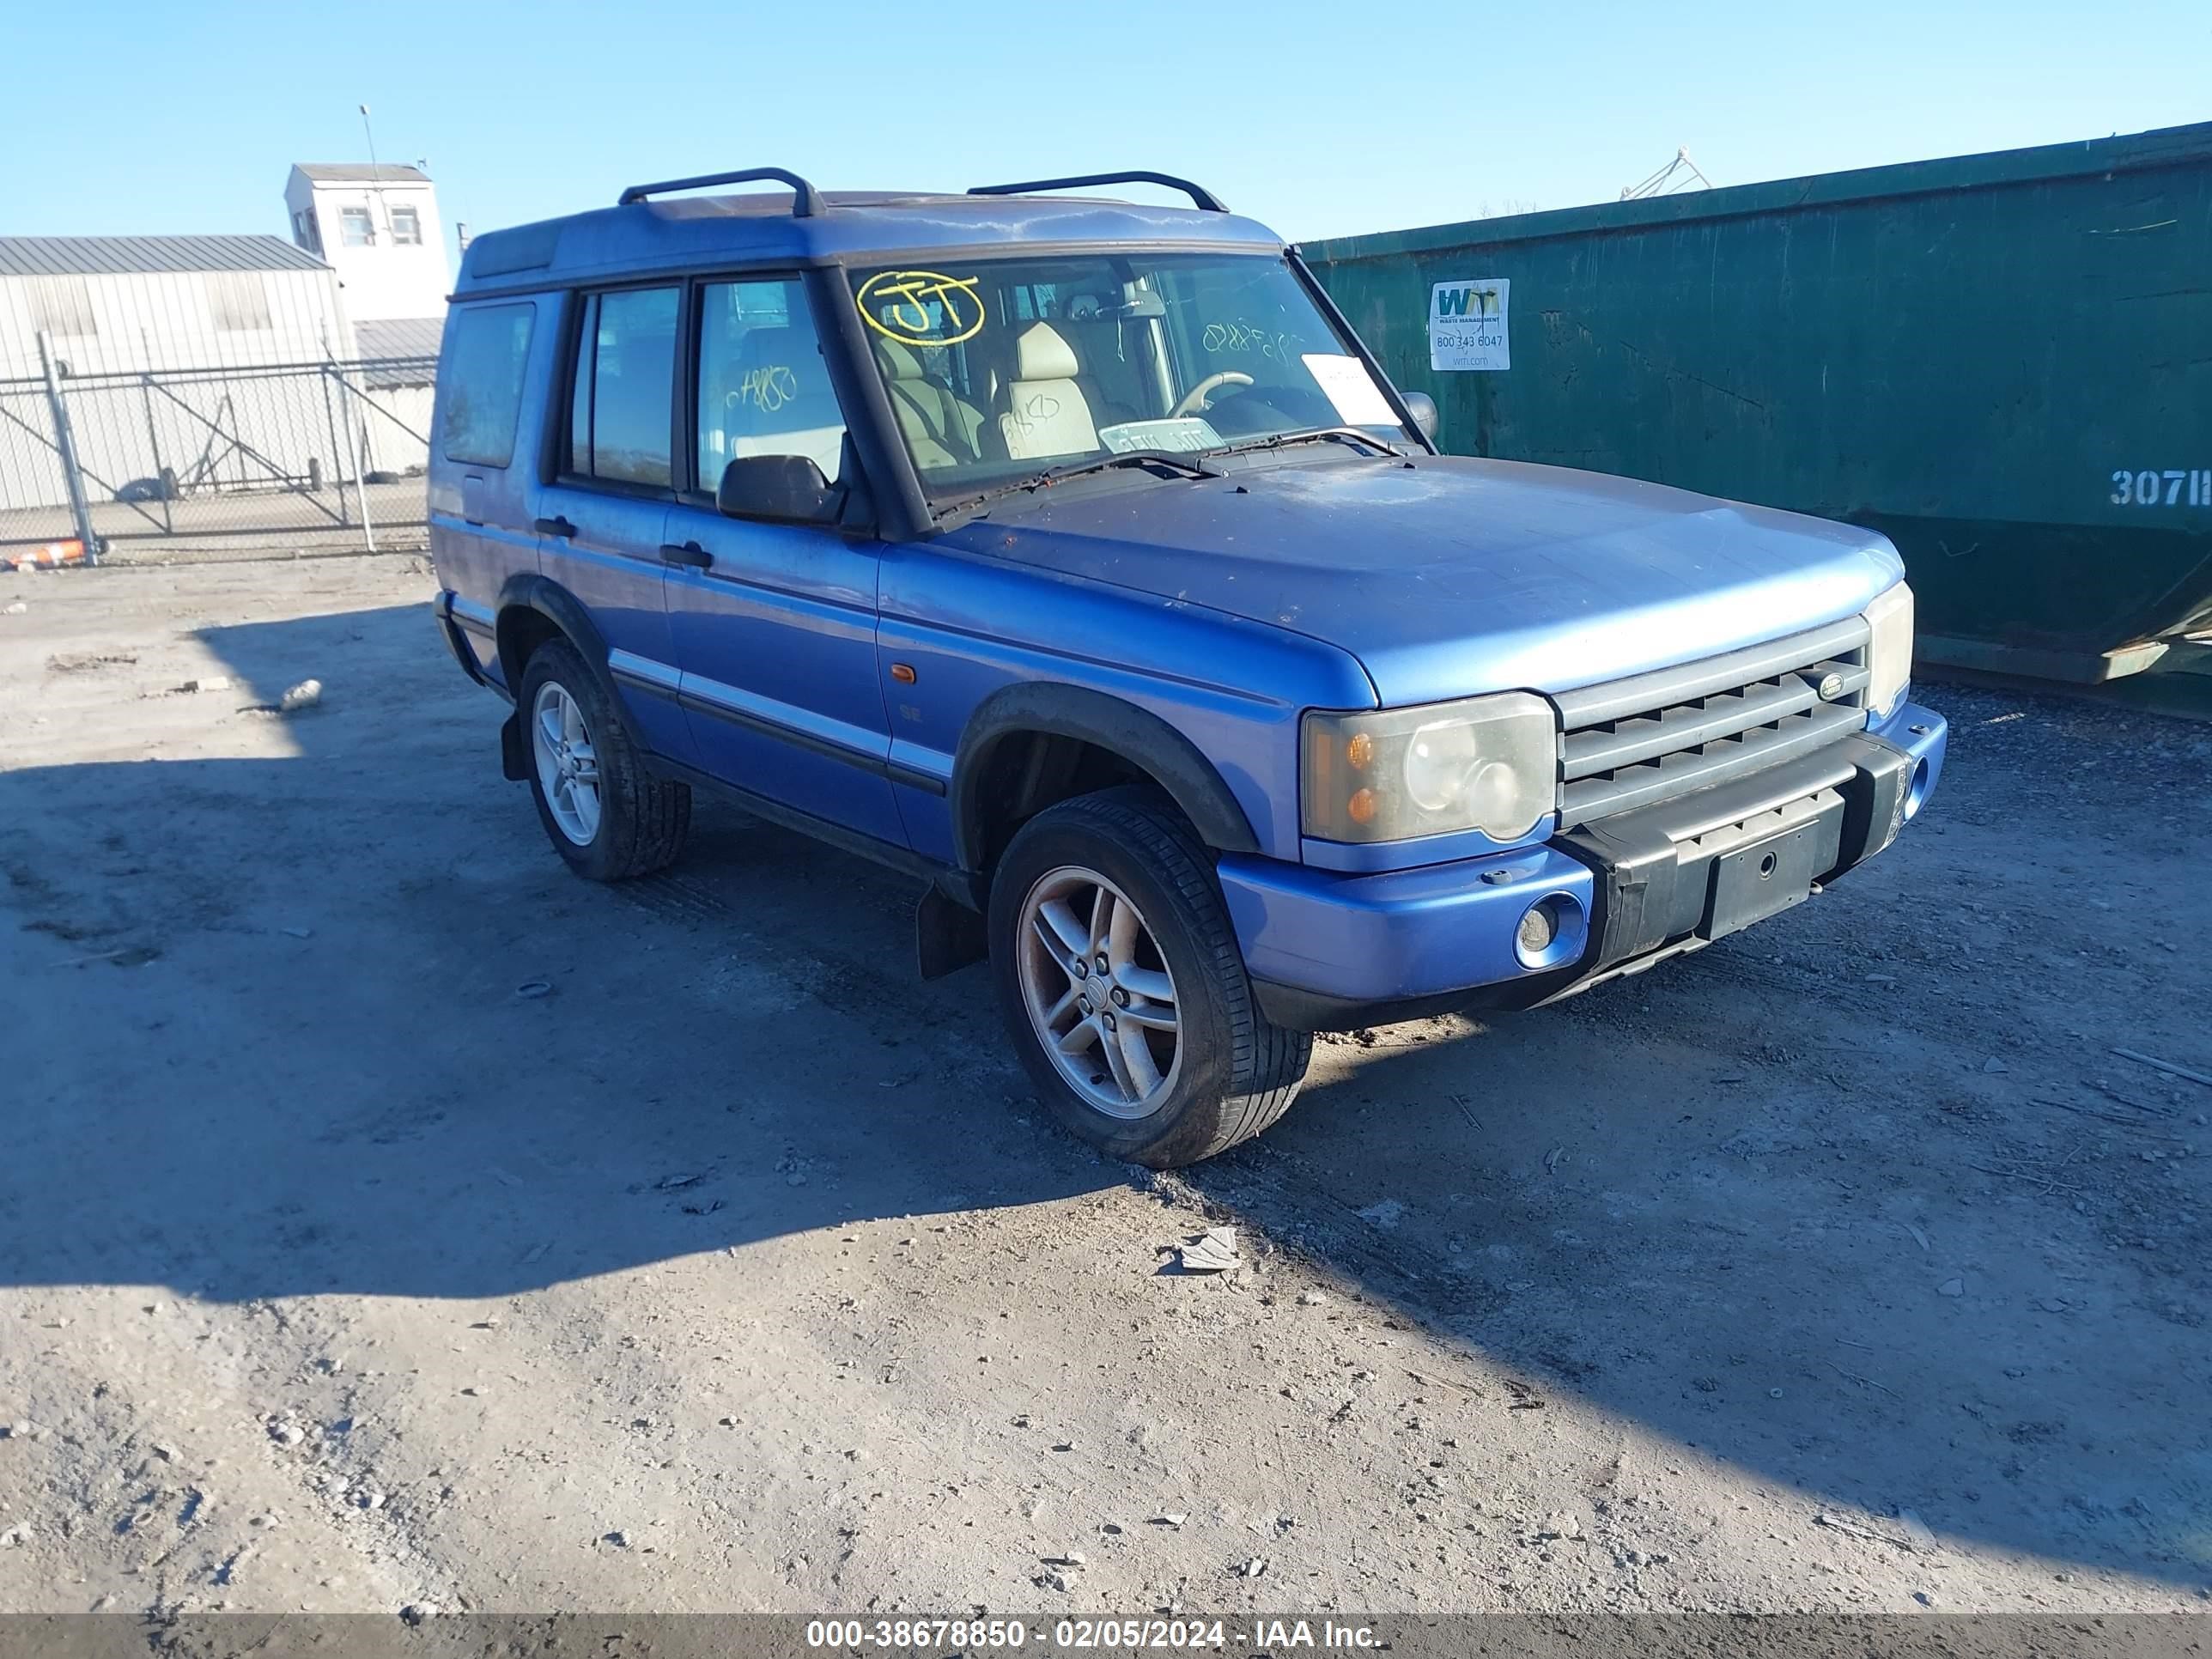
point(1195, 398)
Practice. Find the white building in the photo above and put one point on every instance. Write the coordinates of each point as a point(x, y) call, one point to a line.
point(194, 365)
point(377, 226)
point(126, 304)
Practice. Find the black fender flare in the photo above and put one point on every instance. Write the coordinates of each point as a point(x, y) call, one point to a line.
point(1142, 738)
point(526, 589)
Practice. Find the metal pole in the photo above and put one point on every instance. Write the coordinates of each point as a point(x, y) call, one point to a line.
point(348, 461)
point(65, 446)
point(360, 469)
point(337, 450)
point(360, 494)
point(154, 439)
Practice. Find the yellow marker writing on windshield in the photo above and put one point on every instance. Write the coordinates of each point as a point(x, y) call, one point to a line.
point(907, 297)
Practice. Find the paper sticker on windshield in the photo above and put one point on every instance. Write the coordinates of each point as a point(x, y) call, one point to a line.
point(1187, 435)
point(922, 308)
point(1358, 400)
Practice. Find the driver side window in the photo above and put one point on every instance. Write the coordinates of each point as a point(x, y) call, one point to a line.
point(763, 385)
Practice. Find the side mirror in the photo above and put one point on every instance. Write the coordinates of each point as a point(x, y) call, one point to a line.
point(1423, 408)
point(787, 487)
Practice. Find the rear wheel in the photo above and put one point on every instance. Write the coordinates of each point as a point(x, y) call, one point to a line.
point(604, 813)
point(1122, 985)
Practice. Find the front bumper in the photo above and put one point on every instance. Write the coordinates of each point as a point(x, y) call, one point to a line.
point(1332, 952)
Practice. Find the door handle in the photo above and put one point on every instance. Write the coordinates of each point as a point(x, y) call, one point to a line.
point(687, 553)
point(554, 526)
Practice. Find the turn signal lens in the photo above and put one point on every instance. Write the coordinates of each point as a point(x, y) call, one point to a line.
point(1361, 807)
point(1360, 751)
point(1889, 649)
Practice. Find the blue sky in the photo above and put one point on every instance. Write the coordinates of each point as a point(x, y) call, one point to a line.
point(1318, 119)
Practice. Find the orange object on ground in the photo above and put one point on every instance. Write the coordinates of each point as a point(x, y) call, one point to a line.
point(46, 557)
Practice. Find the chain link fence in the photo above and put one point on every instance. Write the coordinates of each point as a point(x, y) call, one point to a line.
point(266, 460)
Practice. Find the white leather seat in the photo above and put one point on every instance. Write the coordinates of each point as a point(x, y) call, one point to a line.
point(1045, 412)
point(941, 428)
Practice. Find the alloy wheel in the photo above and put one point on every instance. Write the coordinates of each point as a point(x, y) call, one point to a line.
point(568, 767)
point(1098, 992)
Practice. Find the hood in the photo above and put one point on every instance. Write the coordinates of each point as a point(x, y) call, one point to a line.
point(1453, 576)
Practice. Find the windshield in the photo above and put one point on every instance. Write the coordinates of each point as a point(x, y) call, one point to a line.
point(1000, 369)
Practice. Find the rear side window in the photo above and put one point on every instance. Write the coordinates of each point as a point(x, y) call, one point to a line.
point(481, 382)
point(618, 417)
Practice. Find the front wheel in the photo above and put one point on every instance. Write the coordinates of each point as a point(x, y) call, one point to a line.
point(1122, 985)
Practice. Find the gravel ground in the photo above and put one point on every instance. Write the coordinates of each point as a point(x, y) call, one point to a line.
point(1842, 1266)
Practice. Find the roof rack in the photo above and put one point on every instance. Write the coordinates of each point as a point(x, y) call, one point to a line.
point(1200, 198)
point(806, 201)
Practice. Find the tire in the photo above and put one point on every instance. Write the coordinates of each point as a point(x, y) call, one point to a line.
point(640, 821)
point(1226, 1075)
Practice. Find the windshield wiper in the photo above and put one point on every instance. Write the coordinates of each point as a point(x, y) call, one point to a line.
point(1325, 434)
point(1170, 459)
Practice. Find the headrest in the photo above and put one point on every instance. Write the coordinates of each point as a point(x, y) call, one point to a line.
point(1042, 355)
point(898, 362)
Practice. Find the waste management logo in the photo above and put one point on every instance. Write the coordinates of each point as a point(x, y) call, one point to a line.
point(1468, 324)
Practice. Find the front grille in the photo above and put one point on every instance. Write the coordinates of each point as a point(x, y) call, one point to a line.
point(1635, 742)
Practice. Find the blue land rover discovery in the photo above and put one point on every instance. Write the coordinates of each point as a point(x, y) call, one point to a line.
point(1077, 558)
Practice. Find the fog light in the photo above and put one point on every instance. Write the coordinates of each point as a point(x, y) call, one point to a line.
point(1539, 927)
point(1553, 932)
point(1917, 792)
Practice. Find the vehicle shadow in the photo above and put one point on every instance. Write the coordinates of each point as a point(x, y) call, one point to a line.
point(336, 1021)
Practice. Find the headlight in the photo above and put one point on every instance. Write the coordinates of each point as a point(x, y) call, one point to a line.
point(1487, 763)
point(1889, 652)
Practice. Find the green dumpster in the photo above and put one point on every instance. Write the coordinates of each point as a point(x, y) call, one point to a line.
point(2004, 363)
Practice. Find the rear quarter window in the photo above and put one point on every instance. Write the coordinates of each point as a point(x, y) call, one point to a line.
point(480, 383)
